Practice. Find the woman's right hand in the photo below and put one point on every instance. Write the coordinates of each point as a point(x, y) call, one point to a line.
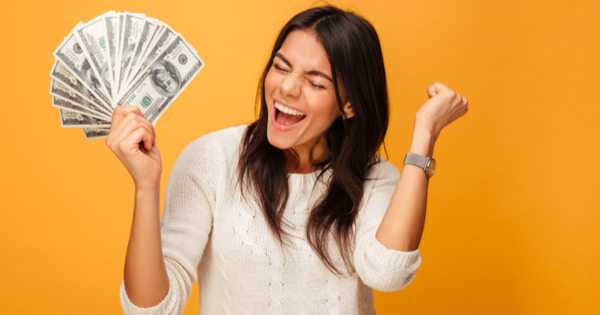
point(132, 140)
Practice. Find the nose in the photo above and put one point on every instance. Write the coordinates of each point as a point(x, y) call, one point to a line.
point(290, 86)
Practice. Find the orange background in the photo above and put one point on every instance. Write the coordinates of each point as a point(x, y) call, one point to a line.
point(513, 221)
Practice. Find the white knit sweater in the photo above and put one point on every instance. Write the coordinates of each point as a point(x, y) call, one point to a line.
point(206, 225)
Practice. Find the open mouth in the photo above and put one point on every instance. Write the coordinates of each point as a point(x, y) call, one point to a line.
point(286, 116)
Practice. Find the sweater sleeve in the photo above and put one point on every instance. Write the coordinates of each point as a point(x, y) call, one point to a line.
point(186, 223)
point(378, 267)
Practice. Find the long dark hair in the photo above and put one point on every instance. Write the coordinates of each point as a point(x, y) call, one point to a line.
point(354, 52)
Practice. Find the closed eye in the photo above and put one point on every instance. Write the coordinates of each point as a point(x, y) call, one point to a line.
point(316, 85)
point(279, 68)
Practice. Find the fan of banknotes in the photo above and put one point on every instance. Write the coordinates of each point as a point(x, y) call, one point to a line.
point(119, 59)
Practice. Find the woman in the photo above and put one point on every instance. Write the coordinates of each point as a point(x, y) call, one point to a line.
point(296, 213)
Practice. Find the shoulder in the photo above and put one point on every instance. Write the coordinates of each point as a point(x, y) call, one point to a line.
point(217, 147)
point(383, 170)
point(379, 187)
point(227, 137)
point(210, 158)
point(222, 141)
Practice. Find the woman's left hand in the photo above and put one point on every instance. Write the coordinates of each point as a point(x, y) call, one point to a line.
point(443, 107)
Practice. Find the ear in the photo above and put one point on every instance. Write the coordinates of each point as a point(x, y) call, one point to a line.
point(348, 110)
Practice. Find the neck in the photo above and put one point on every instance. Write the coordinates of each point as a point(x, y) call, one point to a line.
point(308, 155)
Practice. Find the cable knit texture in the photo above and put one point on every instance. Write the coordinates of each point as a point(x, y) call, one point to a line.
point(208, 226)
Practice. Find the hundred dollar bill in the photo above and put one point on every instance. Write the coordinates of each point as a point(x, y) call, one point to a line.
point(148, 30)
point(111, 27)
point(95, 133)
point(63, 91)
point(62, 74)
point(116, 68)
point(60, 102)
point(132, 30)
point(121, 17)
point(163, 81)
point(145, 50)
point(158, 31)
point(71, 54)
point(71, 119)
point(162, 41)
point(93, 41)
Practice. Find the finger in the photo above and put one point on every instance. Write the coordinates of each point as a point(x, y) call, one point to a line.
point(130, 144)
point(437, 88)
point(149, 136)
point(148, 139)
point(139, 139)
point(117, 126)
point(133, 123)
point(141, 135)
point(431, 91)
point(128, 127)
point(121, 111)
point(132, 116)
point(440, 88)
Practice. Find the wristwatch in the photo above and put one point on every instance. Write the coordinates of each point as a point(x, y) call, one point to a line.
point(428, 164)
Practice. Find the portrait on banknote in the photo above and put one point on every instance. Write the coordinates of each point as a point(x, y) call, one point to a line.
point(165, 78)
point(89, 77)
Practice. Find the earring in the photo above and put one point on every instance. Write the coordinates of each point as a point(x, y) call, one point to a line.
point(343, 116)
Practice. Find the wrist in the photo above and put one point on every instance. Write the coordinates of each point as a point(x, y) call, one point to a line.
point(150, 185)
point(423, 141)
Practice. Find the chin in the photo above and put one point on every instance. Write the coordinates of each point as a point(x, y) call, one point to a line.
point(277, 140)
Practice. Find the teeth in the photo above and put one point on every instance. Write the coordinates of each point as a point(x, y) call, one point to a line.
point(288, 110)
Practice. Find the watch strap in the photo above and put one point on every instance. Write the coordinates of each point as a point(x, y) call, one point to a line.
point(416, 159)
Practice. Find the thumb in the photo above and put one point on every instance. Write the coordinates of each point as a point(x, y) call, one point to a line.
point(431, 91)
point(435, 89)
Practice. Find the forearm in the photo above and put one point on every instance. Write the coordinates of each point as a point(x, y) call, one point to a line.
point(402, 225)
point(145, 278)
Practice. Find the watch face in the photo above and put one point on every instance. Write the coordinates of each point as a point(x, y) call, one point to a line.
point(431, 168)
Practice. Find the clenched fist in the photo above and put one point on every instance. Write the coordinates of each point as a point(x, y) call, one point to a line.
point(132, 140)
point(443, 107)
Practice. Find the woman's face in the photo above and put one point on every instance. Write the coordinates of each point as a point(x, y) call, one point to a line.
point(300, 83)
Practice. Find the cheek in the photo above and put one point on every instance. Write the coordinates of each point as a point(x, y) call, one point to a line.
point(325, 107)
point(270, 83)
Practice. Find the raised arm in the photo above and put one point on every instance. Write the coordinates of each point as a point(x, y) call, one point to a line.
point(163, 253)
point(402, 225)
point(145, 275)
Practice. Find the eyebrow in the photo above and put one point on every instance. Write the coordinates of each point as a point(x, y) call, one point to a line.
point(312, 72)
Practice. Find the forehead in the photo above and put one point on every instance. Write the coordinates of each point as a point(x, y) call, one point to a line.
point(304, 51)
